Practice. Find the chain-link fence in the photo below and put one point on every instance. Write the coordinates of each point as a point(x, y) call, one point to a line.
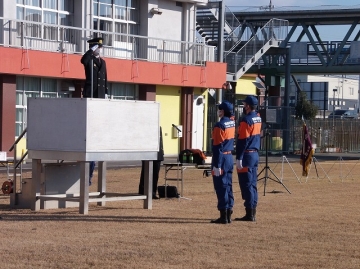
point(330, 135)
point(285, 131)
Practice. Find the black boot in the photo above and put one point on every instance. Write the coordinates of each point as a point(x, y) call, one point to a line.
point(254, 214)
point(249, 216)
point(154, 196)
point(229, 213)
point(222, 219)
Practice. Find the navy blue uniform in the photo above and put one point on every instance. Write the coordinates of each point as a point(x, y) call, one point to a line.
point(247, 146)
point(222, 146)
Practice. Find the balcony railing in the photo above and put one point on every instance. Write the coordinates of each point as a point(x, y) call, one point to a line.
point(72, 40)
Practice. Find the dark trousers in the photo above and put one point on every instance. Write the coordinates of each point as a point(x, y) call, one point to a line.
point(91, 170)
point(156, 170)
point(248, 179)
point(223, 183)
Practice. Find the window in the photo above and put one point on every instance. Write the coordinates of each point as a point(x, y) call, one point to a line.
point(51, 4)
point(119, 16)
point(123, 91)
point(49, 88)
point(104, 25)
point(351, 91)
point(57, 12)
point(27, 87)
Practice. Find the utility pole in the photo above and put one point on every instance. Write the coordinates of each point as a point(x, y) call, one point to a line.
point(333, 117)
point(220, 47)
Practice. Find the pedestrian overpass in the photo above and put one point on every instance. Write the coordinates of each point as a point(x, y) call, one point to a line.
point(245, 30)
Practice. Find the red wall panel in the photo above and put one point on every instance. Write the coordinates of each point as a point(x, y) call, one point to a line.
point(60, 65)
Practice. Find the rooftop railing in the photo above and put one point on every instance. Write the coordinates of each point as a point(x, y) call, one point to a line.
point(72, 40)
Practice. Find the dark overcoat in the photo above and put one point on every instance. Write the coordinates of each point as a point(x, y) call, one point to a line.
point(100, 87)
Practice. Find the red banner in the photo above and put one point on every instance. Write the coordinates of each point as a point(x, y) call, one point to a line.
point(307, 151)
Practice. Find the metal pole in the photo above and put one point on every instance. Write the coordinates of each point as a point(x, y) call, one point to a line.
point(220, 47)
point(286, 134)
point(293, 135)
point(333, 123)
point(92, 76)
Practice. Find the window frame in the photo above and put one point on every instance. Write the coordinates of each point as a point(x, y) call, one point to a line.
point(45, 32)
point(132, 26)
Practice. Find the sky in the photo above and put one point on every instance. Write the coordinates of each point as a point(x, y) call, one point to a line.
point(327, 33)
point(282, 3)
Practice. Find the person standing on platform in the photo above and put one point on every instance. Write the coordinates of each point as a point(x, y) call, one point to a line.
point(222, 162)
point(156, 170)
point(247, 156)
point(95, 78)
point(95, 67)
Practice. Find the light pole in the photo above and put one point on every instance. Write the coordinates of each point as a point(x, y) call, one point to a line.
point(334, 91)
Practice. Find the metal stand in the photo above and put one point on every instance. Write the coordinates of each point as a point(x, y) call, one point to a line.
point(180, 169)
point(349, 173)
point(284, 159)
point(341, 164)
point(267, 168)
point(314, 160)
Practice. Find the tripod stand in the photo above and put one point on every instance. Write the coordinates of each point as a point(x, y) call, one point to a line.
point(267, 168)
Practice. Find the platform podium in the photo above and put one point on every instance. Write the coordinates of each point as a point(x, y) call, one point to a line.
point(75, 131)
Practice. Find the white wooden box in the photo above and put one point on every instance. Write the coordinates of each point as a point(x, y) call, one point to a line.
point(84, 129)
point(3, 156)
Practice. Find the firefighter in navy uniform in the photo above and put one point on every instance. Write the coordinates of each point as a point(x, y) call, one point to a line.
point(247, 156)
point(95, 66)
point(95, 69)
point(222, 162)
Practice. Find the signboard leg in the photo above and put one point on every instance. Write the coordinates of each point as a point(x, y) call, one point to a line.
point(35, 187)
point(84, 188)
point(148, 182)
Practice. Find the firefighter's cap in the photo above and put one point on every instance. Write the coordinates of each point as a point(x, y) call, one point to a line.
point(96, 41)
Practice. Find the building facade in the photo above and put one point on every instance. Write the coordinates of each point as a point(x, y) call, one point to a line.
point(150, 49)
point(330, 93)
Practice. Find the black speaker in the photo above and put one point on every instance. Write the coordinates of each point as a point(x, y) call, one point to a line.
point(268, 115)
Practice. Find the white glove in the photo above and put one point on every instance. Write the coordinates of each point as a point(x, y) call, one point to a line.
point(239, 164)
point(94, 47)
point(106, 96)
point(216, 171)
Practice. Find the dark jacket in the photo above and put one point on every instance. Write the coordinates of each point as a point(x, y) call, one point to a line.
point(160, 156)
point(100, 87)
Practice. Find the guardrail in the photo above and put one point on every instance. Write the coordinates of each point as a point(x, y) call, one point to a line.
point(66, 39)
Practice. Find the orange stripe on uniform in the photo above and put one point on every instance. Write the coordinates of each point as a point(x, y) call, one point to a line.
point(229, 133)
point(219, 135)
point(246, 130)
